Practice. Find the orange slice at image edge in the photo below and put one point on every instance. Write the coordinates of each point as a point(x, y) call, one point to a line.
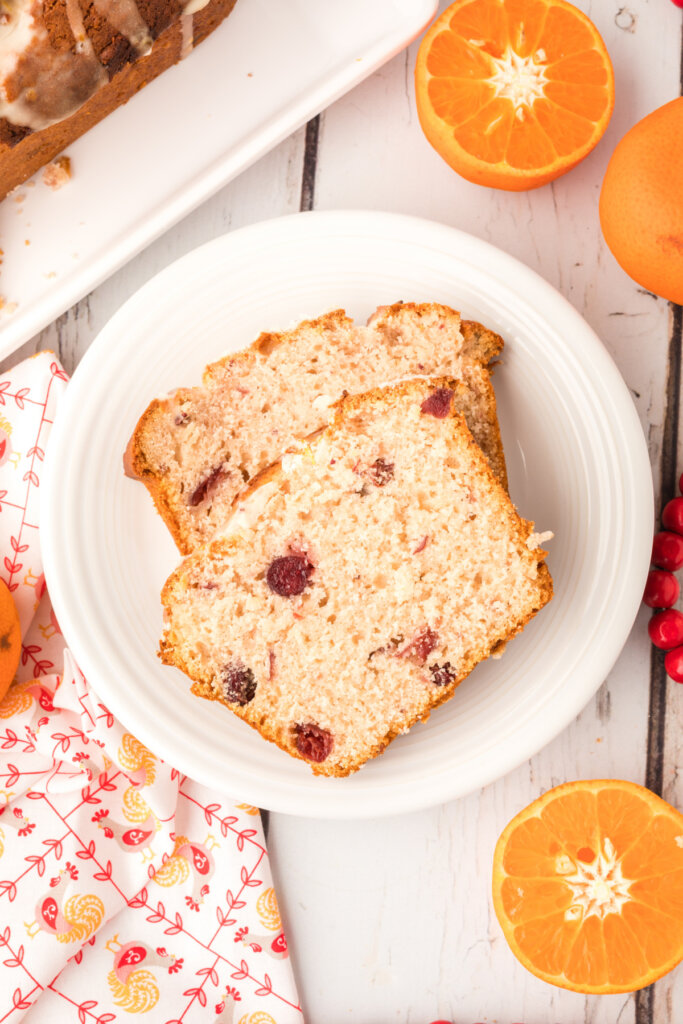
point(513, 93)
point(588, 886)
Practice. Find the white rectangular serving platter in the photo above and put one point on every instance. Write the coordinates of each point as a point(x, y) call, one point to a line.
point(270, 67)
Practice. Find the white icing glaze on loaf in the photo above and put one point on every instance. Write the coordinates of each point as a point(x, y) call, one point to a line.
point(126, 19)
point(59, 83)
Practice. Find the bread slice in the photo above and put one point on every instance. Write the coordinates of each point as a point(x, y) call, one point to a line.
point(359, 580)
point(196, 449)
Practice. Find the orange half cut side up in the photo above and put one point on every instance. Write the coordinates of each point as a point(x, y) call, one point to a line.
point(513, 93)
point(588, 886)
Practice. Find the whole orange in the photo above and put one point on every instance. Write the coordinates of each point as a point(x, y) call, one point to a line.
point(641, 202)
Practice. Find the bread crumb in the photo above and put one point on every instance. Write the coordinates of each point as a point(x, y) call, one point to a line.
point(7, 307)
point(58, 173)
point(534, 540)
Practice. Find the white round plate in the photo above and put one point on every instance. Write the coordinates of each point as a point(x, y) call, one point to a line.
point(577, 460)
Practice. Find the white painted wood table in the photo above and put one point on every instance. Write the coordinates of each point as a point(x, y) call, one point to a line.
point(391, 920)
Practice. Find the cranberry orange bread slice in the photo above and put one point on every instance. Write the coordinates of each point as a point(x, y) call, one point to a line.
point(196, 449)
point(358, 581)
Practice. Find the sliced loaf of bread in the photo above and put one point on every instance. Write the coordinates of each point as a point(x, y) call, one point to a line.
point(196, 449)
point(359, 580)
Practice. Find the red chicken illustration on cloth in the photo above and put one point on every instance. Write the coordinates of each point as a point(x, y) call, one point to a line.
point(13, 818)
point(269, 916)
point(90, 766)
point(189, 859)
point(69, 920)
point(132, 983)
point(137, 832)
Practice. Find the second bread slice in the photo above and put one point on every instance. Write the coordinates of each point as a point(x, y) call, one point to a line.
point(196, 449)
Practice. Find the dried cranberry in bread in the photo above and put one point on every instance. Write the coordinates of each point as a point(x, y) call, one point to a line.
point(196, 449)
point(66, 64)
point(358, 581)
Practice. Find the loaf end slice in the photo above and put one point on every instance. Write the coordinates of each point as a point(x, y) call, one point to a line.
point(358, 581)
point(197, 449)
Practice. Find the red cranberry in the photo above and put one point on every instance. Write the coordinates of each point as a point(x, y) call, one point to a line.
point(677, 3)
point(312, 742)
point(288, 575)
point(206, 486)
point(661, 589)
point(438, 403)
point(381, 472)
point(239, 685)
point(667, 550)
point(666, 629)
point(673, 663)
point(421, 647)
point(442, 675)
point(672, 515)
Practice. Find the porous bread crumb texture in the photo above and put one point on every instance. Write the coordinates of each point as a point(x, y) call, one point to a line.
point(58, 173)
point(196, 449)
point(358, 582)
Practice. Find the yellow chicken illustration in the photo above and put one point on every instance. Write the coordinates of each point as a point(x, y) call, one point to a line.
point(21, 696)
point(137, 761)
point(269, 916)
point(189, 859)
point(133, 986)
point(135, 836)
point(69, 920)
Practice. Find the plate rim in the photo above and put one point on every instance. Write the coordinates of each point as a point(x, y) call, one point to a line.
point(377, 222)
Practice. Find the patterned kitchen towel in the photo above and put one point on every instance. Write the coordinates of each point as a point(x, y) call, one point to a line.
point(125, 887)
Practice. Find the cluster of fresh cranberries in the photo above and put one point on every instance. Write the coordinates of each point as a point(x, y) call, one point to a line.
point(662, 588)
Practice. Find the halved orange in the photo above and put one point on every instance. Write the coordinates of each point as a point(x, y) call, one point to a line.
point(513, 93)
point(588, 886)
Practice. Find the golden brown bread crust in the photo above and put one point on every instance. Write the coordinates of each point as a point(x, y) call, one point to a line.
point(481, 343)
point(20, 160)
point(170, 653)
point(481, 346)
